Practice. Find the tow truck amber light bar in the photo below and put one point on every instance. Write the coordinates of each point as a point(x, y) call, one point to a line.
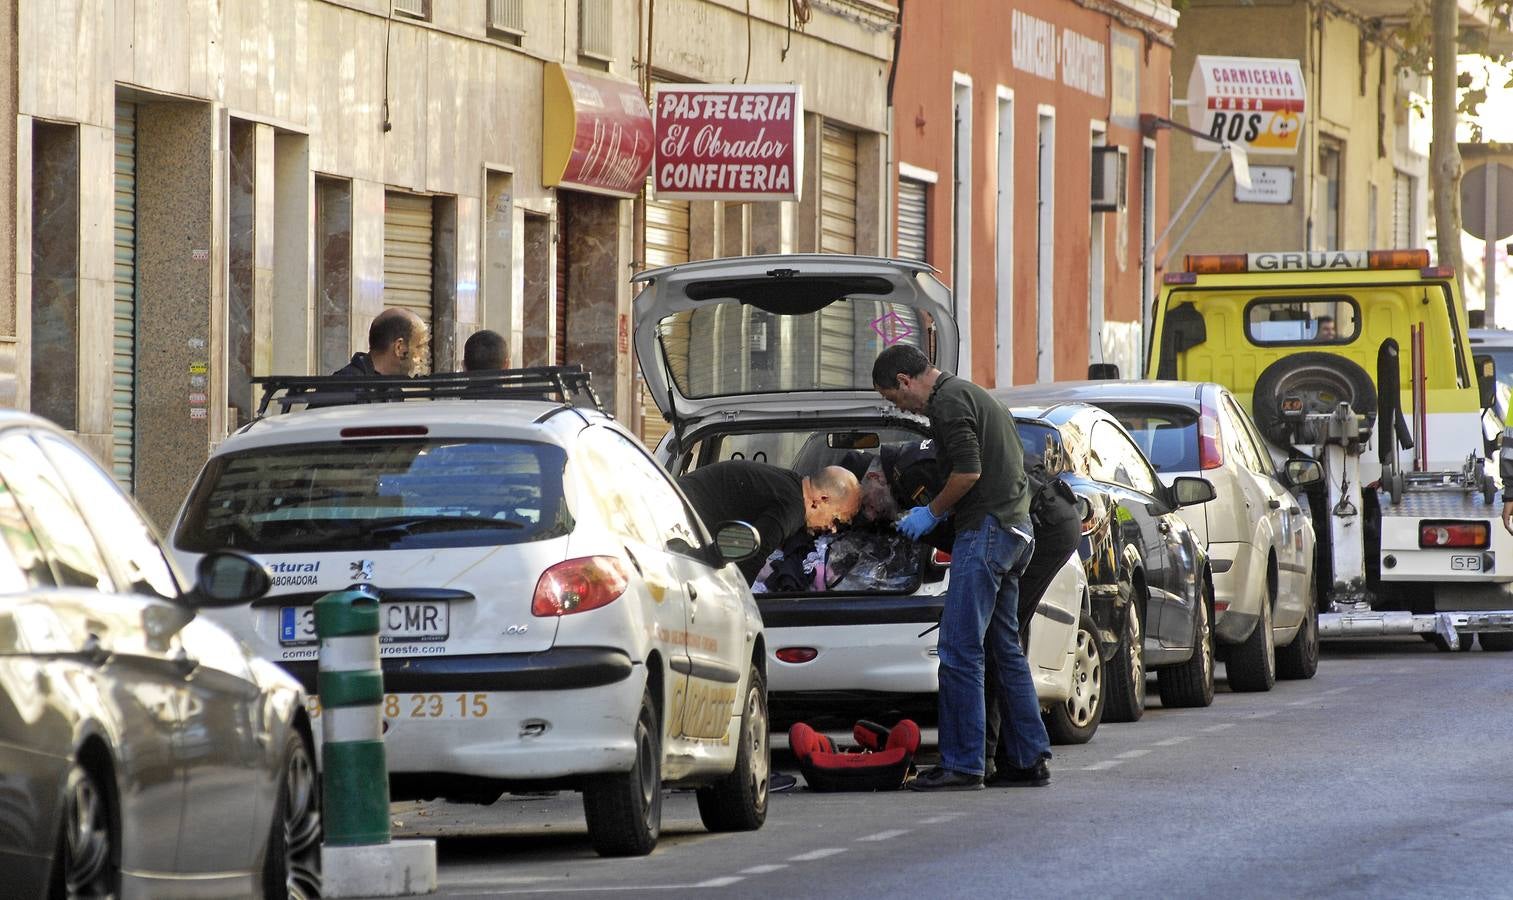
point(1304, 261)
point(1434, 535)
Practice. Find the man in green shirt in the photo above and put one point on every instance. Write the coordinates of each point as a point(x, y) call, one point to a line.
point(986, 492)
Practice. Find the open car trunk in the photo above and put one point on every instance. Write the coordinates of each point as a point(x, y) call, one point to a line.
point(781, 335)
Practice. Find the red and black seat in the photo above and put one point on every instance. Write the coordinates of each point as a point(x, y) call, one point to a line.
point(882, 764)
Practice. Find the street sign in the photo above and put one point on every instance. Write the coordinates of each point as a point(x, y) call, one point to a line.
point(1474, 195)
point(1268, 184)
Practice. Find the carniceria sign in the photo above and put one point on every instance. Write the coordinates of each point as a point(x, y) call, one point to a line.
point(1256, 103)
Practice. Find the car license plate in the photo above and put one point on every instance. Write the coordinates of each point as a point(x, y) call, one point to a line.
point(453, 707)
point(1465, 562)
point(398, 623)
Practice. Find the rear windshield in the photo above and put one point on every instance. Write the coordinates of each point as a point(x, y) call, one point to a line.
point(387, 495)
point(1167, 435)
point(728, 348)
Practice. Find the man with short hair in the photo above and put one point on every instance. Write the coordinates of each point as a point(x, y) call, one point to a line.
point(986, 492)
point(397, 343)
point(485, 351)
point(778, 502)
point(1325, 328)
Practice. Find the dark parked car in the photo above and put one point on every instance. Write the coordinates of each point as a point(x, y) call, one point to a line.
point(143, 750)
point(1148, 578)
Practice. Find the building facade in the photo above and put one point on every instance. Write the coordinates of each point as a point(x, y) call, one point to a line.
point(208, 192)
point(1359, 176)
point(1022, 173)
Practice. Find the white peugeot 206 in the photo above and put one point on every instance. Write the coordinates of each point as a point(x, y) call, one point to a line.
point(769, 358)
point(553, 614)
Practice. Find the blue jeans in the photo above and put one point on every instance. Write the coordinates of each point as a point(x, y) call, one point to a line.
point(982, 605)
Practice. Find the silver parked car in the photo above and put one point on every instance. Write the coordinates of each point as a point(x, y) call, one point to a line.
point(143, 750)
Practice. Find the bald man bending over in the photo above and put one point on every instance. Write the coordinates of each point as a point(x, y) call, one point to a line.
point(397, 342)
point(780, 503)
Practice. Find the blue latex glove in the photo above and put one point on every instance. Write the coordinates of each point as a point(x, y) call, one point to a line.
point(919, 522)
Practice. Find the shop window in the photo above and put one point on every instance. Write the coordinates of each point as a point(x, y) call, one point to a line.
point(55, 273)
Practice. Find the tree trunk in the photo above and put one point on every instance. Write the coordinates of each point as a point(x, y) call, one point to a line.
point(1444, 155)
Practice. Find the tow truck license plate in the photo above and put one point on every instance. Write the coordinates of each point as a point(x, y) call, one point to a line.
point(398, 622)
point(1465, 562)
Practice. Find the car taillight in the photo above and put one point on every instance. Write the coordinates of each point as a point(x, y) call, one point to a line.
point(796, 654)
point(941, 558)
point(579, 585)
point(1210, 449)
point(1432, 535)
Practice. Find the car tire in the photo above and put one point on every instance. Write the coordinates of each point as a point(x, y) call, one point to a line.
point(87, 860)
point(1310, 369)
point(1075, 720)
point(1252, 664)
point(624, 809)
point(1299, 660)
point(291, 863)
point(1126, 672)
point(738, 802)
point(1496, 641)
point(1191, 684)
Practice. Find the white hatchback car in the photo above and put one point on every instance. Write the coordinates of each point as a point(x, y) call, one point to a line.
point(1259, 536)
point(554, 616)
point(770, 358)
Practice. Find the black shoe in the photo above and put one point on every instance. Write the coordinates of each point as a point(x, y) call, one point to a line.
point(779, 782)
point(1038, 775)
point(941, 778)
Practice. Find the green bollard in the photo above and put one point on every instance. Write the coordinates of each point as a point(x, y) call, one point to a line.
point(350, 684)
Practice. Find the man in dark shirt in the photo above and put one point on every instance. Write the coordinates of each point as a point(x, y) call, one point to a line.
point(397, 341)
point(777, 502)
point(986, 492)
point(485, 351)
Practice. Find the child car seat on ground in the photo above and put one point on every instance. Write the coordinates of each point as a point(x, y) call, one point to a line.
point(882, 764)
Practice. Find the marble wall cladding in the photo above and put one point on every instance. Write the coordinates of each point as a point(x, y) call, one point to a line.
point(54, 297)
point(293, 277)
point(241, 250)
point(333, 273)
point(593, 260)
point(367, 257)
point(178, 159)
point(446, 353)
point(536, 342)
point(495, 284)
point(8, 191)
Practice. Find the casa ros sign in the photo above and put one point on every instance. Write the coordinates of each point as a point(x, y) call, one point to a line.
point(728, 141)
point(1256, 103)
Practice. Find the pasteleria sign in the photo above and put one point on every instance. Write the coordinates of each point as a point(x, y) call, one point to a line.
point(728, 141)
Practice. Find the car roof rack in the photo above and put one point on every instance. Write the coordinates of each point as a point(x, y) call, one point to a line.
point(568, 385)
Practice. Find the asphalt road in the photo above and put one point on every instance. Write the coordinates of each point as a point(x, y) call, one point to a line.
point(1390, 774)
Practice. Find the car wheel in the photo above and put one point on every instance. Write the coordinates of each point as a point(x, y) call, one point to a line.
point(1191, 684)
point(1126, 672)
point(291, 865)
point(624, 809)
point(1496, 641)
point(1299, 660)
point(738, 802)
point(86, 862)
point(1075, 719)
point(1252, 664)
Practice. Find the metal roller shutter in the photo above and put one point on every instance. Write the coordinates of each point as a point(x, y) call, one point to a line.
point(123, 363)
point(666, 245)
point(837, 328)
point(911, 219)
point(559, 311)
point(1402, 211)
point(408, 242)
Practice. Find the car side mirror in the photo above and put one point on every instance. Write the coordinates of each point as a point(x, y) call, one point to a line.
point(1189, 491)
point(1486, 380)
point(1300, 471)
point(226, 578)
point(736, 541)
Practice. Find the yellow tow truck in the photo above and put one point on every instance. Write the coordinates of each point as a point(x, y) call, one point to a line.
point(1361, 360)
